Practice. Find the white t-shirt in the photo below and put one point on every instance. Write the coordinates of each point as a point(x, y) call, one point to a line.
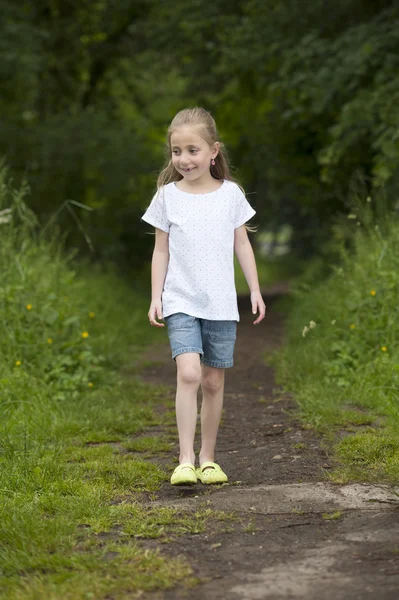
point(200, 276)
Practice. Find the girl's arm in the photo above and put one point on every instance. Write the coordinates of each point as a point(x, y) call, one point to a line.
point(246, 258)
point(159, 267)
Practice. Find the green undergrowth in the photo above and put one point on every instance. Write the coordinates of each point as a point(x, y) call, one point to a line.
point(269, 270)
point(75, 426)
point(341, 359)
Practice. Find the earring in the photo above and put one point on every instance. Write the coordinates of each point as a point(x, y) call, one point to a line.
point(213, 162)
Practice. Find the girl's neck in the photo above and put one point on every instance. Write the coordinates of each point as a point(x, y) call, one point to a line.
point(199, 186)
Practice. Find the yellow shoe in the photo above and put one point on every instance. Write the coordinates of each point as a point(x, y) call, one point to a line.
point(210, 472)
point(184, 474)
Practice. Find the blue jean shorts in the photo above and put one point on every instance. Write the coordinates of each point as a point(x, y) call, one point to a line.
point(213, 340)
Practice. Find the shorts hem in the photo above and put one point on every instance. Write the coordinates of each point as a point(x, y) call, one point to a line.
point(218, 364)
point(186, 350)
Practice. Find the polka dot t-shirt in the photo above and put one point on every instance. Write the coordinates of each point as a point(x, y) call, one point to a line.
point(200, 276)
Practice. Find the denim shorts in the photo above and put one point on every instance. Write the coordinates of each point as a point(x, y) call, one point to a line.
point(213, 340)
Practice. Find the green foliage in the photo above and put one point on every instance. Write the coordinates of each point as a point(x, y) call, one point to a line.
point(342, 358)
point(46, 322)
point(89, 91)
point(80, 118)
point(69, 511)
point(311, 109)
point(351, 81)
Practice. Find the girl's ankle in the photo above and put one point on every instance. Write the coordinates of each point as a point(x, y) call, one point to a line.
point(207, 459)
point(187, 459)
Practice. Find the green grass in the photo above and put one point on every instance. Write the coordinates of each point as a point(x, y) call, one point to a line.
point(110, 570)
point(74, 417)
point(342, 352)
point(149, 445)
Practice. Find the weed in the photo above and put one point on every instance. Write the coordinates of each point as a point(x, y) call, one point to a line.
point(332, 516)
point(297, 511)
point(250, 527)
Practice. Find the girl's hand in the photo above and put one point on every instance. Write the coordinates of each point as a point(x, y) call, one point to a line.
point(154, 312)
point(258, 304)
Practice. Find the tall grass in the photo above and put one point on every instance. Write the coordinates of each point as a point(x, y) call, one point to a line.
point(342, 355)
point(67, 331)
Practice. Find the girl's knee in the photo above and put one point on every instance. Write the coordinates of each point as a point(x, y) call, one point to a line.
point(188, 370)
point(212, 382)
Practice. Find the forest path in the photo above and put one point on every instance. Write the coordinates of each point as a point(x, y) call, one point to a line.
point(304, 537)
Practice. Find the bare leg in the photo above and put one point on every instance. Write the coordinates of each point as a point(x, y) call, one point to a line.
point(212, 383)
point(188, 380)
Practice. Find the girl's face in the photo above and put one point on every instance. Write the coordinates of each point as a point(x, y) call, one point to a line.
point(191, 154)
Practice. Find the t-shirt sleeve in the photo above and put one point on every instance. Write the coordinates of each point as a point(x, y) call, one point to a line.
point(244, 210)
point(155, 214)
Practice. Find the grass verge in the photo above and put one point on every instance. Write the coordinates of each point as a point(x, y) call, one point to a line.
point(341, 359)
point(73, 458)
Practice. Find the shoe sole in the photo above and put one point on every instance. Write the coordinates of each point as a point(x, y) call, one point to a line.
point(213, 482)
point(183, 482)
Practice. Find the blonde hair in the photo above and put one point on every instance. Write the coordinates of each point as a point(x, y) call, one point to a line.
point(202, 119)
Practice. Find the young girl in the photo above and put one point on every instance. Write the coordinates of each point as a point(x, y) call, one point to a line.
point(199, 215)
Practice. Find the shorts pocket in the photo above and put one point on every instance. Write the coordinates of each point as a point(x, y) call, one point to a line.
point(179, 321)
point(223, 331)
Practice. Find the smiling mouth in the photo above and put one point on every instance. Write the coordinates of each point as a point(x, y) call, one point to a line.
point(188, 170)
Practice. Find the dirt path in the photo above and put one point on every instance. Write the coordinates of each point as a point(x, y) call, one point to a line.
point(283, 545)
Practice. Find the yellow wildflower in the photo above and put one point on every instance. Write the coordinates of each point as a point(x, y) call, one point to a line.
point(29, 307)
point(373, 292)
point(18, 363)
point(49, 340)
point(85, 334)
point(92, 315)
point(384, 348)
point(352, 326)
point(90, 384)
